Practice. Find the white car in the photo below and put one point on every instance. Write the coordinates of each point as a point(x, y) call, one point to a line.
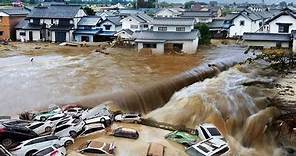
point(57, 118)
point(93, 128)
point(76, 111)
point(208, 147)
point(98, 119)
point(53, 150)
point(69, 129)
point(207, 130)
point(68, 120)
point(28, 147)
point(135, 118)
point(4, 151)
point(100, 110)
point(41, 127)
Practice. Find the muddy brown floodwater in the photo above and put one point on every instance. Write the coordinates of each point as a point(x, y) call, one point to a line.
point(65, 74)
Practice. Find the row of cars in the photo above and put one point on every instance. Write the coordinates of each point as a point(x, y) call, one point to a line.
point(49, 133)
point(212, 141)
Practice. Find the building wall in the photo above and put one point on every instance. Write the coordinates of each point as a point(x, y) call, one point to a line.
point(274, 28)
point(294, 45)
point(78, 17)
point(189, 47)
point(172, 28)
point(4, 26)
point(113, 27)
point(265, 44)
point(14, 20)
point(124, 35)
point(128, 21)
point(165, 13)
point(158, 50)
point(238, 30)
point(78, 38)
point(36, 35)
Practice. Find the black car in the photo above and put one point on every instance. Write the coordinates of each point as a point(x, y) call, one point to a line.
point(10, 134)
point(126, 133)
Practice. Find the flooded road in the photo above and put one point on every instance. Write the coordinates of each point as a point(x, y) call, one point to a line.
point(66, 74)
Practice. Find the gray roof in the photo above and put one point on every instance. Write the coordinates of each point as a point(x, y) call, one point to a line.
point(173, 21)
point(15, 11)
point(89, 21)
point(219, 24)
point(24, 24)
point(54, 11)
point(266, 37)
point(88, 32)
point(168, 36)
point(197, 14)
point(128, 31)
point(114, 19)
point(142, 18)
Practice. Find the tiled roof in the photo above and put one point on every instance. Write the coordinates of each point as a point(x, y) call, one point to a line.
point(15, 11)
point(266, 37)
point(219, 24)
point(173, 21)
point(88, 32)
point(128, 31)
point(24, 24)
point(168, 36)
point(114, 19)
point(62, 27)
point(55, 11)
point(197, 14)
point(89, 21)
point(142, 18)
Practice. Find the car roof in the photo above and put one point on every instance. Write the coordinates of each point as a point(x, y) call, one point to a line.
point(211, 141)
point(127, 129)
point(95, 125)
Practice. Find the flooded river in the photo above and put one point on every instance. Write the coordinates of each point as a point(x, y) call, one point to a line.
point(67, 74)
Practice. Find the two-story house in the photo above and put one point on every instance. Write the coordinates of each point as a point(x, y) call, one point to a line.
point(169, 35)
point(55, 23)
point(136, 22)
point(200, 16)
point(9, 18)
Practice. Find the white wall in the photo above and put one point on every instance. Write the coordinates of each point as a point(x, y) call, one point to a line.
point(158, 50)
point(265, 44)
point(78, 17)
point(78, 38)
point(165, 13)
point(294, 46)
point(128, 21)
point(3, 14)
point(108, 23)
point(124, 35)
point(238, 30)
point(274, 28)
point(172, 28)
point(189, 47)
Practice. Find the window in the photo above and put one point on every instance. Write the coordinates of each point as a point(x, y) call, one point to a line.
point(1, 33)
point(107, 27)
point(134, 26)
point(180, 28)
point(145, 25)
point(22, 33)
point(284, 28)
point(149, 45)
point(214, 132)
point(162, 28)
point(36, 126)
point(242, 23)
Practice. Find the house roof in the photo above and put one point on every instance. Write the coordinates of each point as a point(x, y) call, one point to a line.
point(128, 31)
point(249, 14)
point(197, 14)
point(266, 37)
point(173, 21)
point(88, 32)
point(168, 36)
point(54, 11)
point(16, 11)
point(142, 18)
point(219, 24)
point(114, 19)
point(89, 21)
point(62, 27)
point(283, 12)
point(25, 25)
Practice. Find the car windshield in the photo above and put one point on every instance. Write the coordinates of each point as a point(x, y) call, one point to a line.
point(214, 131)
point(203, 148)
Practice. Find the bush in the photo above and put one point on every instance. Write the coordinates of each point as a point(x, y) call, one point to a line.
point(205, 34)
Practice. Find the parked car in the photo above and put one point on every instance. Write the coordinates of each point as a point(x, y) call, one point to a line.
point(99, 119)
point(15, 122)
point(75, 111)
point(68, 120)
point(207, 130)
point(69, 129)
point(182, 138)
point(97, 148)
point(93, 128)
point(57, 118)
point(11, 134)
point(134, 118)
point(41, 127)
point(53, 150)
point(155, 149)
point(4, 151)
point(29, 147)
point(208, 147)
point(45, 115)
point(126, 133)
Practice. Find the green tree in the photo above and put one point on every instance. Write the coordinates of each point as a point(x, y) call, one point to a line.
point(89, 11)
point(205, 34)
point(189, 4)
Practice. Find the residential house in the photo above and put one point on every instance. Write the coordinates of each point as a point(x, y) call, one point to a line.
point(110, 26)
point(125, 34)
point(284, 22)
point(294, 41)
point(169, 34)
point(168, 12)
point(137, 22)
point(219, 28)
point(9, 18)
point(267, 40)
point(200, 16)
point(55, 23)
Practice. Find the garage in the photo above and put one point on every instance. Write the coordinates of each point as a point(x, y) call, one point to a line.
point(60, 36)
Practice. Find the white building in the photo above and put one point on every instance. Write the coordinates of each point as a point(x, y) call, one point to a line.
point(284, 22)
point(168, 12)
point(169, 34)
point(137, 22)
point(55, 23)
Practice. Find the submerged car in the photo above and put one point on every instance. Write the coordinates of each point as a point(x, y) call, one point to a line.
point(43, 116)
point(93, 128)
point(53, 150)
point(207, 130)
point(4, 151)
point(11, 134)
point(183, 138)
point(97, 148)
point(126, 133)
point(208, 147)
point(129, 117)
point(74, 111)
point(99, 119)
point(100, 110)
point(69, 129)
point(31, 146)
point(41, 127)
